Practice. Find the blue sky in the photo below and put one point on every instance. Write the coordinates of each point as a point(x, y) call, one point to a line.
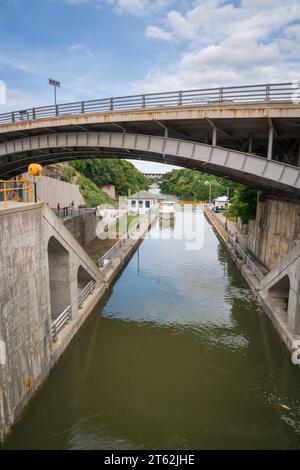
point(101, 48)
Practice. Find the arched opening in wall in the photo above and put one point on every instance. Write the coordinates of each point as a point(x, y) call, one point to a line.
point(59, 277)
point(281, 292)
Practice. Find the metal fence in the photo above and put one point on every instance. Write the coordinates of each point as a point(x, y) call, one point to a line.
point(245, 257)
point(106, 260)
point(60, 321)
point(88, 289)
point(246, 93)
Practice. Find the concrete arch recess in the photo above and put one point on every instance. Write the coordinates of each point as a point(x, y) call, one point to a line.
point(59, 277)
point(246, 168)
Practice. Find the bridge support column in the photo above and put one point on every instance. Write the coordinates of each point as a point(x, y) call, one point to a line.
point(270, 144)
point(250, 143)
point(294, 300)
point(214, 136)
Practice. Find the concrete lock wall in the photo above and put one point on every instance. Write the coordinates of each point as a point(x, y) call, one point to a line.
point(24, 310)
point(42, 270)
point(54, 191)
point(83, 227)
point(275, 231)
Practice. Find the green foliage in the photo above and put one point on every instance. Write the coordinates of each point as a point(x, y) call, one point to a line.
point(192, 185)
point(244, 203)
point(69, 173)
point(122, 174)
point(93, 196)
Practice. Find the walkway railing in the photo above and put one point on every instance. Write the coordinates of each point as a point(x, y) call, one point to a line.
point(89, 289)
point(106, 260)
point(233, 240)
point(60, 321)
point(246, 258)
point(246, 93)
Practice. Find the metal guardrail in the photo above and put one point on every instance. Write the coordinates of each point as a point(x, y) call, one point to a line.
point(246, 258)
point(233, 240)
point(246, 93)
point(60, 321)
point(88, 289)
point(106, 260)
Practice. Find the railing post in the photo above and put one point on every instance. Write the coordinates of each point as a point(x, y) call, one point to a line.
point(221, 98)
point(54, 332)
point(82, 107)
point(13, 117)
point(33, 113)
point(268, 92)
point(180, 98)
point(111, 104)
point(56, 110)
point(143, 101)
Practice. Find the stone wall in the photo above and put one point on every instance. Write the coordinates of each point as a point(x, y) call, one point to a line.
point(275, 231)
point(83, 227)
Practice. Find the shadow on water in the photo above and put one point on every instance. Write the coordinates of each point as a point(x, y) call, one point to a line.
point(179, 355)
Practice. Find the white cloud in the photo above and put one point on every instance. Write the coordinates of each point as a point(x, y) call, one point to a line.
point(224, 43)
point(180, 25)
point(75, 47)
point(158, 33)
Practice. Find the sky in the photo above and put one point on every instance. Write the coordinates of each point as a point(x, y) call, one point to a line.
point(103, 48)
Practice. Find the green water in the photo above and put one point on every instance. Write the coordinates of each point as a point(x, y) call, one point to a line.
point(179, 356)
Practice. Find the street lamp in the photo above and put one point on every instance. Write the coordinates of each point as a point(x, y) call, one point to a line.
point(55, 84)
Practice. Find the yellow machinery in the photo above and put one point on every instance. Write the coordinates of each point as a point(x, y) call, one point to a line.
point(35, 169)
point(19, 189)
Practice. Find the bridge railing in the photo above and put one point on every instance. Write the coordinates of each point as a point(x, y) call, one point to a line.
point(246, 93)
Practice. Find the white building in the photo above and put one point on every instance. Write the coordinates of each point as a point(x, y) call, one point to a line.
point(142, 201)
point(221, 202)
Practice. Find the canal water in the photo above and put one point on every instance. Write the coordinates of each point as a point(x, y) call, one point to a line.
point(179, 356)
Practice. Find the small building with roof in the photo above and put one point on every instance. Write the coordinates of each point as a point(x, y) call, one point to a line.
point(142, 201)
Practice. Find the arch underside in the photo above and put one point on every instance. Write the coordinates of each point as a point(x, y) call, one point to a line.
point(252, 170)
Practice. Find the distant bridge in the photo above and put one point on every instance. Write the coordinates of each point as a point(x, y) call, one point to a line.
point(249, 134)
point(153, 176)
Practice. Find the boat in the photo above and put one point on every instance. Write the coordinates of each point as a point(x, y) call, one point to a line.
point(167, 210)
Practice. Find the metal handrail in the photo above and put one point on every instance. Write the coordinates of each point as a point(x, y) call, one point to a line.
point(88, 289)
point(244, 93)
point(106, 260)
point(246, 258)
point(60, 321)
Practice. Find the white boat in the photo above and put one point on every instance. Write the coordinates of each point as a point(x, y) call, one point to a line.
point(167, 210)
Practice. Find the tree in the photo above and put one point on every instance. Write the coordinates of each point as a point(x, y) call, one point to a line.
point(122, 174)
point(244, 203)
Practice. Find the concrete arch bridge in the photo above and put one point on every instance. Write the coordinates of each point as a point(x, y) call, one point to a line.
point(248, 134)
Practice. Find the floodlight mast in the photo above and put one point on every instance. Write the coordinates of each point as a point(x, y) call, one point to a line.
point(55, 84)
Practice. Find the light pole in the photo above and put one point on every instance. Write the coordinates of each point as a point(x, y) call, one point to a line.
point(55, 84)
